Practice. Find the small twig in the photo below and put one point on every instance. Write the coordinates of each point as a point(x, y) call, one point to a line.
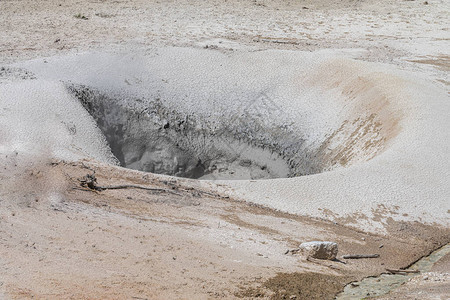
point(208, 193)
point(279, 41)
point(292, 251)
point(358, 256)
point(132, 186)
point(82, 189)
point(402, 272)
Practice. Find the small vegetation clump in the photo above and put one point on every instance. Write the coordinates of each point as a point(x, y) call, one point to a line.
point(80, 16)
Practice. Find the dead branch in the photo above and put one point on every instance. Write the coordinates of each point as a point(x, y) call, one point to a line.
point(358, 256)
point(132, 186)
point(402, 272)
point(90, 181)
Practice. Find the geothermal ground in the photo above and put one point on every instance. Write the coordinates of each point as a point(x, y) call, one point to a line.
point(221, 134)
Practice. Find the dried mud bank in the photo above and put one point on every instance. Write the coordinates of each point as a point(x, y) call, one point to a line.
point(182, 240)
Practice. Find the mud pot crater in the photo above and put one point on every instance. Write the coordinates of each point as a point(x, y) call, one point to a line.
point(151, 137)
point(257, 136)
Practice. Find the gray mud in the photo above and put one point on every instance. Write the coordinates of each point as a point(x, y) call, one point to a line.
point(151, 137)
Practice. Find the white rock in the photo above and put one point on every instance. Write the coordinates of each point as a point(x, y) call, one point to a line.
point(320, 250)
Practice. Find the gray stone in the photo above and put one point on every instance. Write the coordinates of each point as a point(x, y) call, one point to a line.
point(320, 250)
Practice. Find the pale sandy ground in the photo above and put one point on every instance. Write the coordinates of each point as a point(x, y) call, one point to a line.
point(59, 242)
point(188, 243)
point(383, 30)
